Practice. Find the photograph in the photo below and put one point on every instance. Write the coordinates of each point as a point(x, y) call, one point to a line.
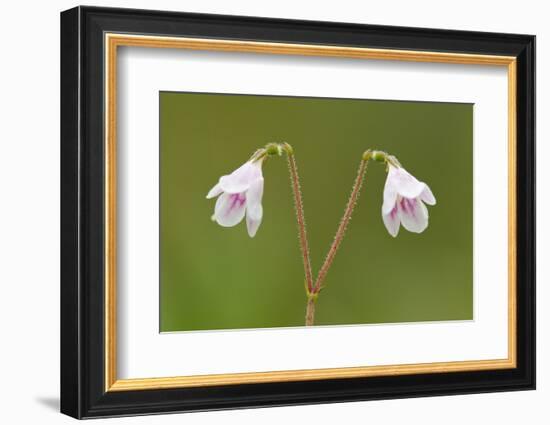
point(381, 230)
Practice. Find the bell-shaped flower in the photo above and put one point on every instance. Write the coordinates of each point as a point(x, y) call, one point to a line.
point(240, 193)
point(404, 198)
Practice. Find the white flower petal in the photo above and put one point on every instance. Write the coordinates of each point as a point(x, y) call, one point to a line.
point(427, 195)
point(390, 196)
point(230, 209)
point(232, 185)
point(254, 197)
point(405, 184)
point(239, 180)
point(253, 221)
point(254, 210)
point(215, 191)
point(391, 221)
point(413, 214)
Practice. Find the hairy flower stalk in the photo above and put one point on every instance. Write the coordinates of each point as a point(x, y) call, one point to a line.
point(352, 201)
point(300, 217)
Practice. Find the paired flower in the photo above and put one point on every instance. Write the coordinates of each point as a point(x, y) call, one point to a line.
point(240, 193)
point(404, 198)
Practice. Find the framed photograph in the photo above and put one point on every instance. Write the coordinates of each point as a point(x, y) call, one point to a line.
point(261, 212)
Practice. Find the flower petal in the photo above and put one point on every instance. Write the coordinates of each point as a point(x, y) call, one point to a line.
point(254, 210)
point(253, 222)
point(390, 196)
point(391, 221)
point(254, 197)
point(215, 191)
point(230, 209)
point(427, 195)
point(239, 180)
point(413, 214)
point(405, 184)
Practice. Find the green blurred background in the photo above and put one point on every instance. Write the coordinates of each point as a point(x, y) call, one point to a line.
point(219, 278)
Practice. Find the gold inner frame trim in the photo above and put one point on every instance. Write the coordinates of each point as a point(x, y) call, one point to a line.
point(113, 41)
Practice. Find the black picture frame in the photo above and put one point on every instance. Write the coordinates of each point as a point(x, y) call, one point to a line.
point(83, 392)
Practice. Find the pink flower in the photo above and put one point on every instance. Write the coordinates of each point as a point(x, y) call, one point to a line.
point(404, 198)
point(240, 193)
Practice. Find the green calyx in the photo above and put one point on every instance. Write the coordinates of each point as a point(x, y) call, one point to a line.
point(381, 156)
point(273, 149)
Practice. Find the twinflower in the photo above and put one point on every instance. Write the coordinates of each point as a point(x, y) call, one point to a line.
point(240, 193)
point(404, 198)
